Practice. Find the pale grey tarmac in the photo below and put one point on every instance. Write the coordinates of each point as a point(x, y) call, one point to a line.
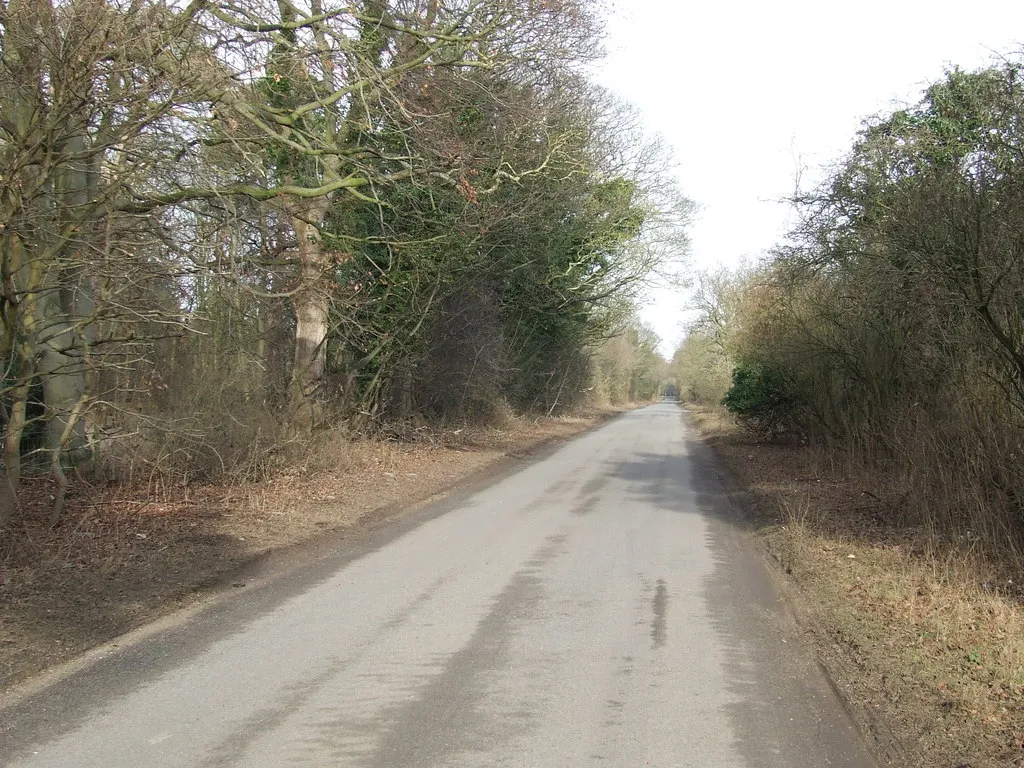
point(601, 605)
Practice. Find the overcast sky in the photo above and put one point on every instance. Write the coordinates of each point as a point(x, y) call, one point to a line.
point(749, 93)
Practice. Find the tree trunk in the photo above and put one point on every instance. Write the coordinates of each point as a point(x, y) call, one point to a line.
point(61, 371)
point(73, 422)
point(11, 475)
point(65, 313)
point(311, 304)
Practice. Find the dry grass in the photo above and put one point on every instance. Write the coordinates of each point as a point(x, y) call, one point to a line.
point(926, 631)
point(128, 552)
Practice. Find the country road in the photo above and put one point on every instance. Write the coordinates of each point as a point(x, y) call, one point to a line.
point(598, 606)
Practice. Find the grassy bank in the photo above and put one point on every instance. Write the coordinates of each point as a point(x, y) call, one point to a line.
point(925, 631)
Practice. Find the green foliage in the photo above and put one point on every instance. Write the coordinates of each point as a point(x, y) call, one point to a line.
point(761, 395)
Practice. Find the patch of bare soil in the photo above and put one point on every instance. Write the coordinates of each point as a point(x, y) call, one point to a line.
point(125, 555)
point(922, 634)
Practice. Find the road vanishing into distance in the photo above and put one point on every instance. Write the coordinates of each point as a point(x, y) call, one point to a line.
point(597, 606)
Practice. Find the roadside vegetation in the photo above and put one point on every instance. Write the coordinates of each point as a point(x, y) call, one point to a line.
point(866, 382)
point(228, 229)
point(242, 242)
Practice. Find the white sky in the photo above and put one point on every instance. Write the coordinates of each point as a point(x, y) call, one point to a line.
point(748, 93)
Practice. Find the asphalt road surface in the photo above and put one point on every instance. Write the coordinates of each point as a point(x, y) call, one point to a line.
point(599, 606)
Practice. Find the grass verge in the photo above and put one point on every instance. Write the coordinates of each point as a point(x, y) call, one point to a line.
point(924, 632)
